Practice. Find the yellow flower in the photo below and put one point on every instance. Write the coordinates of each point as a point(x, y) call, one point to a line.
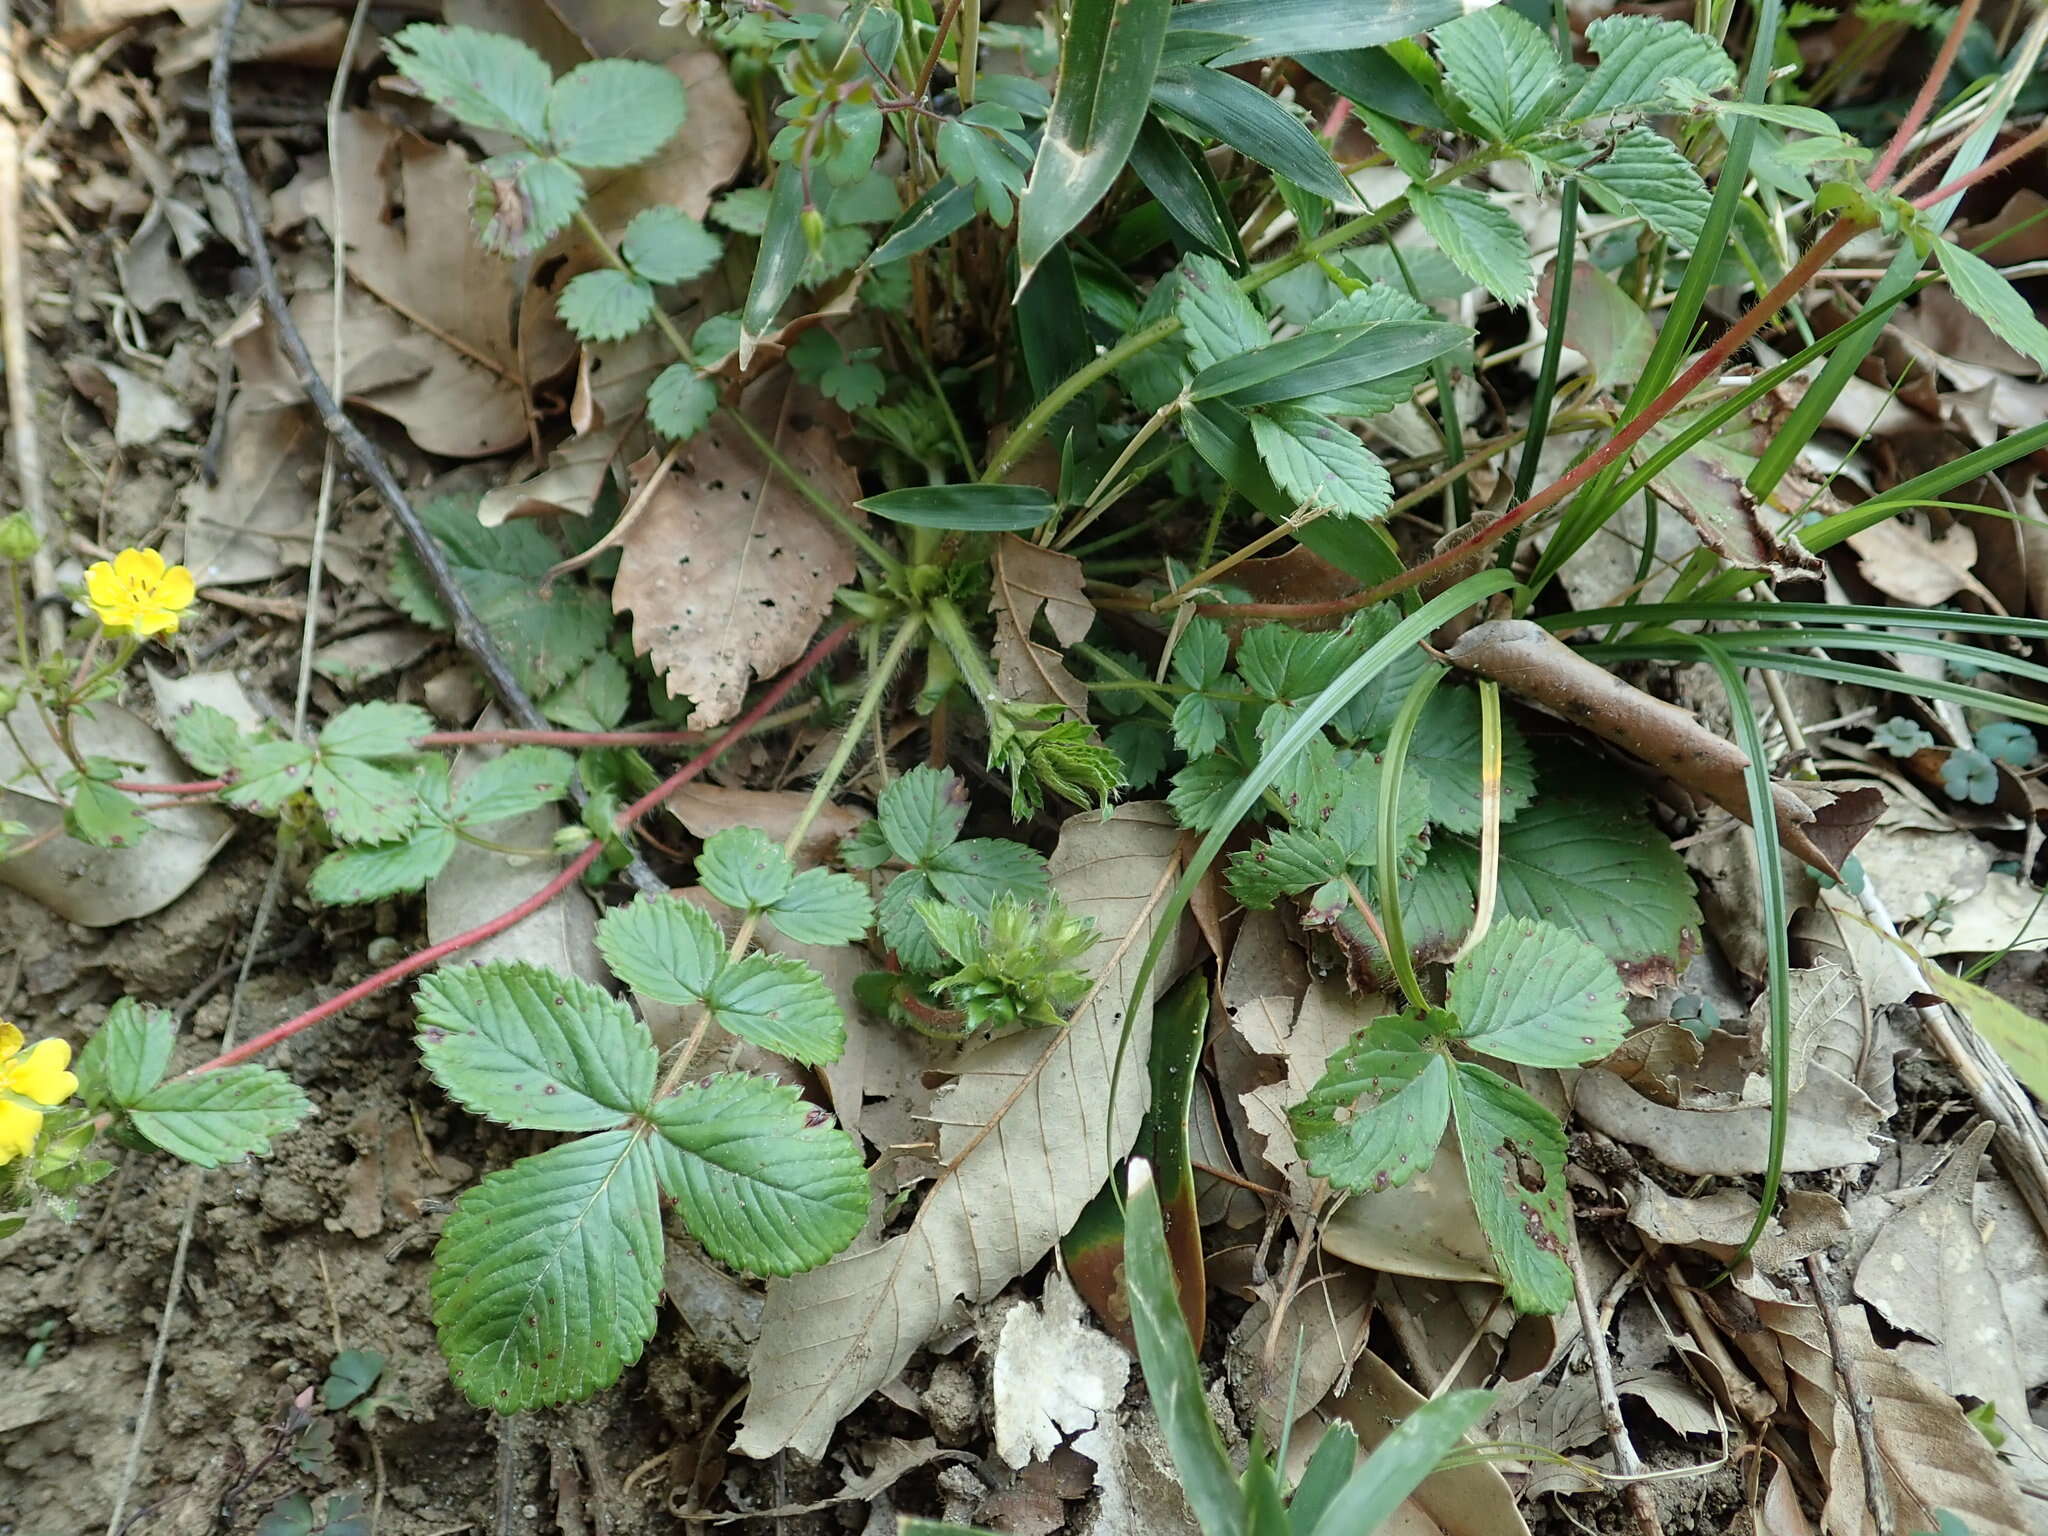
point(139, 592)
point(37, 1075)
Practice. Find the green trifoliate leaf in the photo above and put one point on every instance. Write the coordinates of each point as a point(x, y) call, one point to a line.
point(205, 738)
point(896, 916)
point(1648, 176)
point(1534, 994)
point(780, 1004)
point(595, 699)
point(766, 1183)
point(680, 401)
point(1218, 320)
point(1446, 752)
point(1200, 725)
point(103, 816)
point(1503, 69)
point(976, 157)
point(1202, 655)
point(375, 730)
point(605, 305)
point(126, 1056)
point(1638, 54)
point(975, 872)
point(1287, 666)
point(743, 869)
point(663, 947)
point(922, 812)
point(614, 112)
point(1202, 789)
point(520, 780)
point(357, 875)
point(1374, 1120)
point(547, 1273)
point(1514, 1162)
point(1480, 236)
point(528, 1047)
point(823, 907)
point(361, 802)
point(487, 79)
point(523, 201)
point(665, 245)
point(1984, 291)
point(1290, 861)
point(219, 1117)
point(1319, 463)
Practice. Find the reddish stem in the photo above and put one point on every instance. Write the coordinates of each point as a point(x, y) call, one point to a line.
point(195, 787)
point(2019, 149)
point(525, 738)
point(1626, 437)
point(568, 876)
point(1923, 103)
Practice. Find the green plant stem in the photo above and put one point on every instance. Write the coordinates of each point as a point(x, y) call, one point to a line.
point(1040, 420)
point(949, 626)
point(821, 796)
point(796, 481)
point(1626, 437)
point(1098, 499)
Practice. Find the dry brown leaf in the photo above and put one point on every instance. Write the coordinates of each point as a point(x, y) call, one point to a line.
point(1719, 1224)
point(1708, 485)
point(239, 528)
point(1830, 1127)
point(1465, 1501)
point(412, 247)
point(1028, 581)
point(1904, 563)
point(893, 1460)
point(1321, 1334)
point(728, 570)
point(1426, 1227)
point(707, 809)
point(1027, 1130)
point(1527, 659)
point(140, 410)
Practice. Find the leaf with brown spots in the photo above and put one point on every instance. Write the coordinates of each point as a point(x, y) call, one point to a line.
point(728, 572)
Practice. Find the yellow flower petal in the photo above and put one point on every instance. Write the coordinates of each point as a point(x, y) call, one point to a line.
point(40, 1075)
point(10, 1042)
point(18, 1130)
point(176, 590)
point(143, 567)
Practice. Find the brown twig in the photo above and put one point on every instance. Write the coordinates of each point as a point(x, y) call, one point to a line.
point(470, 632)
point(1636, 1492)
point(1875, 1494)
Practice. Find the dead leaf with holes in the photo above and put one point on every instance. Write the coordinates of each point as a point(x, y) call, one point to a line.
point(1029, 581)
point(485, 334)
point(728, 571)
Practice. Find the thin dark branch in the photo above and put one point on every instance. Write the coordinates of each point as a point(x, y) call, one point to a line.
point(1876, 1496)
point(470, 632)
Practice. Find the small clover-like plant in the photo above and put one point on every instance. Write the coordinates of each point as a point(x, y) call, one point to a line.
point(1900, 737)
point(1970, 776)
point(1527, 993)
point(547, 1273)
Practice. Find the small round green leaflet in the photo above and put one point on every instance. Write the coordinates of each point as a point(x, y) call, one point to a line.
point(970, 508)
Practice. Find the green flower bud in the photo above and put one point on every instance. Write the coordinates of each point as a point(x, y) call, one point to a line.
point(18, 537)
point(9, 697)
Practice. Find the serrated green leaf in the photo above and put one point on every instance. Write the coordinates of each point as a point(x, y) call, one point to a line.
point(1202, 789)
point(1594, 864)
point(375, 730)
point(1514, 1162)
point(1157, 374)
point(103, 816)
point(1319, 463)
point(1244, 117)
point(1437, 907)
point(1292, 860)
point(1638, 54)
point(973, 873)
point(1199, 724)
point(744, 869)
point(1284, 665)
point(968, 508)
point(528, 1047)
point(665, 245)
point(978, 160)
point(1446, 752)
point(605, 305)
point(902, 929)
point(922, 812)
point(780, 1004)
point(1502, 68)
point(267, 773)
point(1648, 176)
point(1532, 993)
point(487, 79)
point(1983, 290)
point(611, 113)
point(663, 947)
point(205, 738)
point(523, 201)
point(1480, 236)
point(219, 1117)
point(356, 875)
point(764, 1182)
point(1201, 654)
point(1373, 1121)
point(546, 636)
point(519, 780)
point(547, 1273)
point(822, 906)
point(126, 1056)
point(361, 802)
point(1218, 320)
point(680, 401)
point(595, 699)
point(1108, 58)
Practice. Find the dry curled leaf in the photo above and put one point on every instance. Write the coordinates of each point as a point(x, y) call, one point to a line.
point(1028, 581)
point(728, 571)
